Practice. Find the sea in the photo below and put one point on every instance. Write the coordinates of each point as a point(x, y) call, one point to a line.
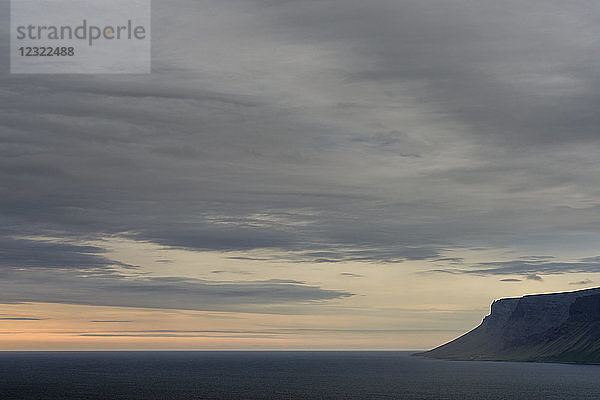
point(284, 375)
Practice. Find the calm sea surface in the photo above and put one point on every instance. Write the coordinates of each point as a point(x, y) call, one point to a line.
point(284, 375)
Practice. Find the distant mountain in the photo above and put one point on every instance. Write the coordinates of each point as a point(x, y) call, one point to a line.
point(558, 327)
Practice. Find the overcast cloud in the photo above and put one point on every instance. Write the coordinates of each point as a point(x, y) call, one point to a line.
point(325, 131)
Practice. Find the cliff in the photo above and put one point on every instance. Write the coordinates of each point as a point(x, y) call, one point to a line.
point(558, 327)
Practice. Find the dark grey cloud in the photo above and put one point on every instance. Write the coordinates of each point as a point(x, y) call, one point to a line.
point(510, 71)
point(219, 271)
point(534, 277)
point(452, 260)
point(351, 275)
point(20, 319)
point(109, 288)
point(29, 254)
point(583, 282)
point(531, 268)
point(510, 280)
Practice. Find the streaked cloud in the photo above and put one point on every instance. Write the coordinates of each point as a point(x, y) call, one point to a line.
point(351, 275)
point(46, 254)
point(113, 289)
point(583, 282)
point(110, 322)
point(530, 268)
point(534, 277)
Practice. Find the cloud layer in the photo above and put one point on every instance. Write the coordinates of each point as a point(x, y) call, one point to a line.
point(324, 131)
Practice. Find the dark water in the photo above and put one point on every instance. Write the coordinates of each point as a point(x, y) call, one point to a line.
point(284, 375)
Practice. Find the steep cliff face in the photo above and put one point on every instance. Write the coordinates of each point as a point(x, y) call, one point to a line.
point(585, 308)
point(548, 327)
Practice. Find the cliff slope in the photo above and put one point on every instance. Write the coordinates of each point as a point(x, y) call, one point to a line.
point(558, 327)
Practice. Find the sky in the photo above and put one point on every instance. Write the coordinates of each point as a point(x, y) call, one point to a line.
point(315, 174)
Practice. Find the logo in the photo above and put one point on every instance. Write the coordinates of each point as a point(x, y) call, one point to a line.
point(80, 36)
